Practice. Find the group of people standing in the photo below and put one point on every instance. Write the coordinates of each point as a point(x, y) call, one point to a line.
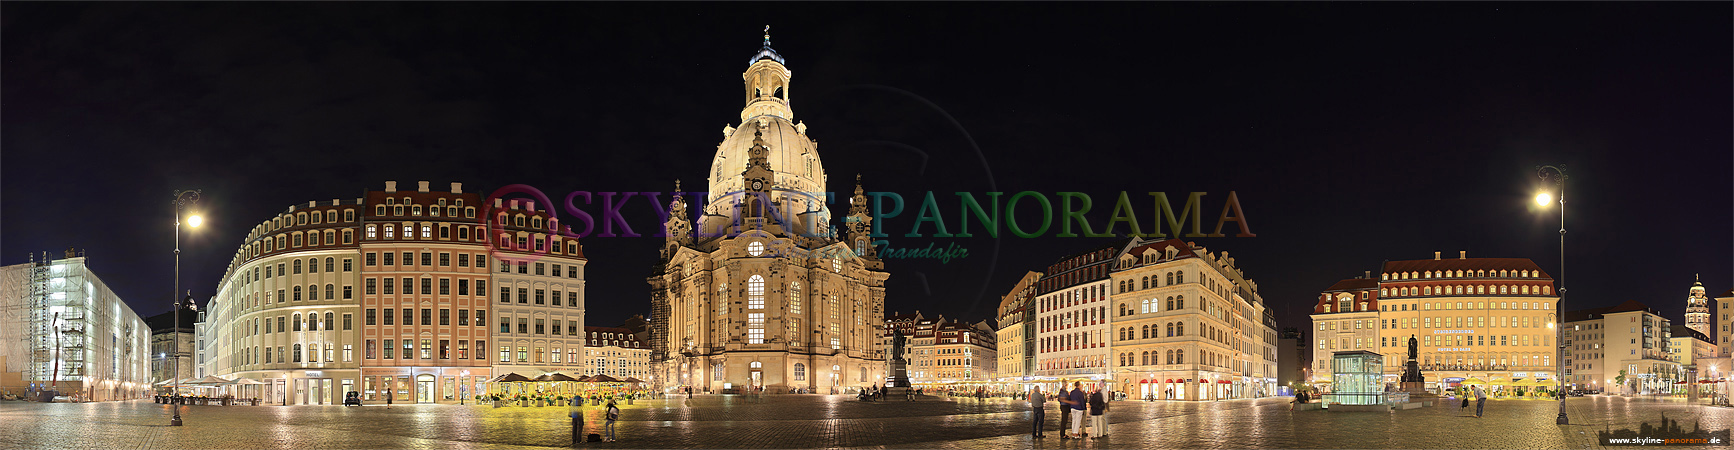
point(610, 415)
point(1074, 404)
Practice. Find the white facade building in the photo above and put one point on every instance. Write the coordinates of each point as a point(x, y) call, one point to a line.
point(64, 330)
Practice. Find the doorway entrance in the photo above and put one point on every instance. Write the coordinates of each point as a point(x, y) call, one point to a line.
point(424, 388)
point(312, 391)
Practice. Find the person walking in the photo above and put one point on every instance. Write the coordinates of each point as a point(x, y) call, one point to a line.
point(1080, 404)
point(1099, 413)
point(613, 415)
point(1037, 403)
point(1480, 401)
point(1065, 400)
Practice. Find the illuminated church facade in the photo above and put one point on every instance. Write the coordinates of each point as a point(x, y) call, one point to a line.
point(761, 291)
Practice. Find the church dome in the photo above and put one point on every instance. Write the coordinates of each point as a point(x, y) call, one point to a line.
point(799, 180)
point(793, 157)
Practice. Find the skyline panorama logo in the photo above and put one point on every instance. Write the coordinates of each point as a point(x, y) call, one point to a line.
point(986, 212)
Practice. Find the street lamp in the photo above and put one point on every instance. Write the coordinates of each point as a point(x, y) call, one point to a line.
point(1556, 176)
point(182, 200)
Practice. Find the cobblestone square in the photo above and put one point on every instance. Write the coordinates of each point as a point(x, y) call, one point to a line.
point(819, 421)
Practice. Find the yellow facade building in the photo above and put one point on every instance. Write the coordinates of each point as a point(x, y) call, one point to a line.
point(1488, 318)
point(1188, 325)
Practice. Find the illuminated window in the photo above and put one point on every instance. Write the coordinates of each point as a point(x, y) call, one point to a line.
point(756, 292)
point(756, 328)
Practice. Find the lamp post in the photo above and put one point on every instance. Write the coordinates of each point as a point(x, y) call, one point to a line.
point(1556, 176)
point(182, 200)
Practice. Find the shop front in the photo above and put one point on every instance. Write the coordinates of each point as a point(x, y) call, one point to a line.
point(423, 385)
point(307, 387)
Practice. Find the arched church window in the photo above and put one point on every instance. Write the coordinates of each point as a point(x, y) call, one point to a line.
point(756, 292)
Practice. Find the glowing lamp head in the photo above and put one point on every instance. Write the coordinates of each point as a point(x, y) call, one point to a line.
point(1543, 199)
point(194, 220)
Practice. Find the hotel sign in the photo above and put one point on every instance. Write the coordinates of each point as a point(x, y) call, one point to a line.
point(1452, 349)
point(1453, 331)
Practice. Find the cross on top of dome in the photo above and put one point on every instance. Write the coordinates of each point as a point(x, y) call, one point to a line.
point(766, 51)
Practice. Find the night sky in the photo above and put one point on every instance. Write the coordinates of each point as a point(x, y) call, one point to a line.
point(1351, 133)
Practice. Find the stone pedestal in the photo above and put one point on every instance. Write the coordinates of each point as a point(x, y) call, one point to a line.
point(898, 382)
point(1412, 381)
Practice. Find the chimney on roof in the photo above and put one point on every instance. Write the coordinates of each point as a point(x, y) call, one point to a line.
point(1462, 254)
point(421, 186)
point(1435, 256)
point(1367, 274)
point(391, 186)
point(457, 188)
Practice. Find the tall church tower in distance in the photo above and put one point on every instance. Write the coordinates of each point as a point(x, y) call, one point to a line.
point(761, 291)
point(1698, 309)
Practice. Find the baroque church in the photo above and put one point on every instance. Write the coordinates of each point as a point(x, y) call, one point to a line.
point(761, 291)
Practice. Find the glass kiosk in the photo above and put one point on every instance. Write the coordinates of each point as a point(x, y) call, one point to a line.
point(1356, 378)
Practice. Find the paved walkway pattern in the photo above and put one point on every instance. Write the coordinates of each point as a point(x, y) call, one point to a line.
point(808, 421)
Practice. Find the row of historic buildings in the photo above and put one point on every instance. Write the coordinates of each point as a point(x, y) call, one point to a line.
point(1163, 319)
point(939, 351)
point(1496, 320)
point(1491, 318)
point(415, 295)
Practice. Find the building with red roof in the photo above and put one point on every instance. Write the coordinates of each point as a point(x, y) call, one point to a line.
point(1487, 318)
